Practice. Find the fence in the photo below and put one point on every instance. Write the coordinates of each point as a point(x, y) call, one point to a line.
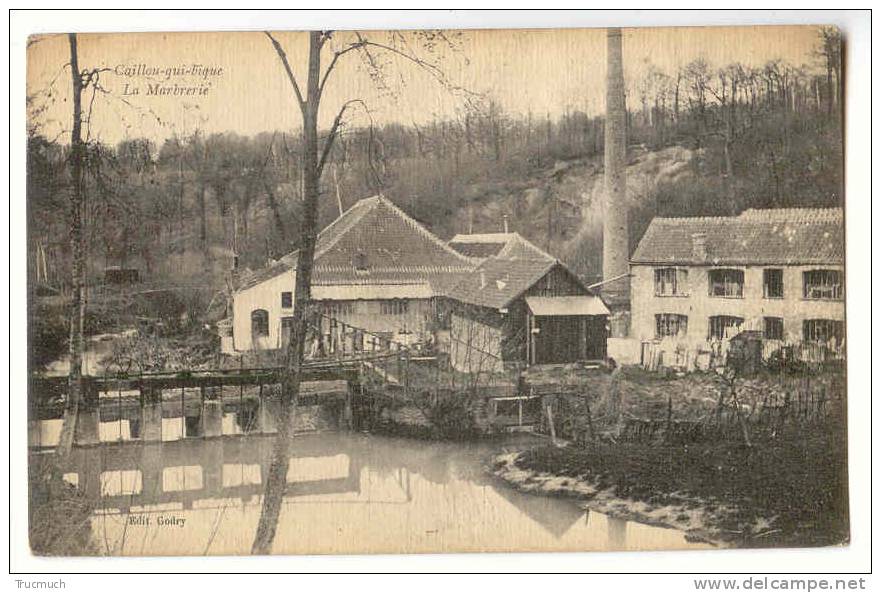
point(690, 356)
point(794, 405)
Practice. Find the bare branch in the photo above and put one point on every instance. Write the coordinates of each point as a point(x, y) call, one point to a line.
point(287, 67)
point(334, 129)
point(435, 71)
point(333, 61)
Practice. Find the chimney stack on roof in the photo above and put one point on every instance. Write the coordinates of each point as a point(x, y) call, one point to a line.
point(505, 222)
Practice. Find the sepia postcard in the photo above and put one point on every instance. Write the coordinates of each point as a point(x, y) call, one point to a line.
point(434, 291)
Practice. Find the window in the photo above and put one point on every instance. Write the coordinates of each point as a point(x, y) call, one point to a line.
point(394, 307)
point(259, 322)
point(720, 324)
point(823, 285)
point(670, 324)
point(360, 261)
point(773, 284)
point(287, 300)
point(726, 283)
point(823, 330)
point(339, 308)
point(671, 282)
point(773, 328)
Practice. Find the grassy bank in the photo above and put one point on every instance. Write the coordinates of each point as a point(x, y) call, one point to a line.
point(59, 523)
point(788, 491)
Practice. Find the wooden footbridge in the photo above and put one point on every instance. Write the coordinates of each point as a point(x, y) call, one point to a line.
point(333, 377)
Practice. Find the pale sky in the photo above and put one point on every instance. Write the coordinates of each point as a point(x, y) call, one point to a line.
point(542, 71)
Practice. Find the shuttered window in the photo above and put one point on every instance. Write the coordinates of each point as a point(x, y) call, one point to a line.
point(726, 283)
point(773, 283)
point(773, 328)
point(720, 324)
point(671, 282)
point(823, 330)
point(395, 307)
point(823, 285)
point(670, 324)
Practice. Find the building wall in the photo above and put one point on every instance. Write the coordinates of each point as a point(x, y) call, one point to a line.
point(475, 343)
point(699, 306)
point(413, 325)
point(363, 314)
point(486, 338)
point(266, 295)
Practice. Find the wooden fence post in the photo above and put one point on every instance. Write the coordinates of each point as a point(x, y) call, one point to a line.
point(783, 411)
point(551, 424)
point(590, 433)
point(669, 416)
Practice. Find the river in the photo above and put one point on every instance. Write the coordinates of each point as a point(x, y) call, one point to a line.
point(348, 493)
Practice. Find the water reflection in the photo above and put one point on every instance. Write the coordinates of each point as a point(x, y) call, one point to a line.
point(346, 493)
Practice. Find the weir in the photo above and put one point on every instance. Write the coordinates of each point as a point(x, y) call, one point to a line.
point(192, 404)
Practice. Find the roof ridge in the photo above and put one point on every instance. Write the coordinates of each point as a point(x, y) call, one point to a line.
point(518, 239)
point(421, 228)
point(763, 215)
point(371, 201)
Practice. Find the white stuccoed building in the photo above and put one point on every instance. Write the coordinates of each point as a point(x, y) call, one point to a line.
point(776, 271)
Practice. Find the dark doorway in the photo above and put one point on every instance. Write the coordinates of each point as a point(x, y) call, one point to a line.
point(569, 338)
point(557, 340)
point(595, 335)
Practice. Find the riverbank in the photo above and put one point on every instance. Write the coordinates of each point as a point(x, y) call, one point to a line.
point(791, 492)
point(59, 522)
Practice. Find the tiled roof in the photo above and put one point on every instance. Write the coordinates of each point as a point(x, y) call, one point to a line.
point(480, 245)
point(502, 278)
point(288, 262)
point(774, 236)
point(395, 247)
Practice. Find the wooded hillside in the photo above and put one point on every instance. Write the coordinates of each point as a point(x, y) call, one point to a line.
point(703, 141)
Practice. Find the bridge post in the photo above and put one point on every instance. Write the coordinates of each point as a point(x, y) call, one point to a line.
point(212, 417)
point(267, 412)
point(86, 431)
point(88, 416)
point(90, 481)
point(348, 416)
point(151, 414)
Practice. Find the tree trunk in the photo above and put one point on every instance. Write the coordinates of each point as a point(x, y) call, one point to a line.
point(276, 481)
point(276, 213)
point(77, 304)
point(203, 225)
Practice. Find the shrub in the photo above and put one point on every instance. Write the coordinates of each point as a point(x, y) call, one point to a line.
point(453, 416)
point(49, 334)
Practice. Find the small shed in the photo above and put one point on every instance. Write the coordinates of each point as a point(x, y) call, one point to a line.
point(520, 307)
point(566, 329)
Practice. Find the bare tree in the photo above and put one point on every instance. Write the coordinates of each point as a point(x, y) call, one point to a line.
point(77, 302)
point(314, 158)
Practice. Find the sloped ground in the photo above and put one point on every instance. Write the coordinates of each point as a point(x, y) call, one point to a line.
point(789, 488)
point(571, 192)
point(789, 492)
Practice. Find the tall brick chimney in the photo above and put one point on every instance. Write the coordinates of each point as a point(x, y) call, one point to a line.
point(615, 236)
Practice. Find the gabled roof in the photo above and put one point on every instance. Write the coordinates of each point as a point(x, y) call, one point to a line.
point(784, 236)
point(396, 248)
point(500, 279)
point(480, 245)
point(278, 267)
